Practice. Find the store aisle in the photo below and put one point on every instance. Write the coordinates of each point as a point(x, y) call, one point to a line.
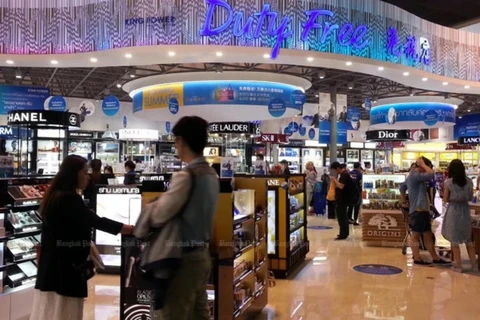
point(327, 287)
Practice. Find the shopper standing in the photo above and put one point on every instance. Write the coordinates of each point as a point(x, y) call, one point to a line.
point(311, 180)
point(193, 194)
point(285, 168)
point(64, 267)
point(345, 195)
point(457, 223)
point(130, 176)
point(357, 176)
point(420, 219)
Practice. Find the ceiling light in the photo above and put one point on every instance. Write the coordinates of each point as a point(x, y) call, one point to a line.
point(348, 63)
point(381, 68)
point(9, 62)
point(321, 74)
point(128, 55)
point(132, 72)
point(310, 59)
point(93, 60)
point(406, 73)
point(350, 85)
point(445, 83)
point(219, 54)
point(455, 106)
point(119, 85)
point(171, 54)
point(374, 99)
point(18, 74)
point(467, 87)
point(411, 92)
point(424, 79)
point(266, 56)
point(316, 96)
point(219, 68)
point(469, 110)
point(54, 62)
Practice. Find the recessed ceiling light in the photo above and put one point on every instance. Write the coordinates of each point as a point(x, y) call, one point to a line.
point(460, 117)
point(381, 68)
point(469, 110)
point(219, 54)
point(171, 54)
point(455, 107)
point(119, 85)
point(348, 63)
point(316, 96)
point(128, 55)
point(266, 56)
point(18, 74)
point(9, 62)
point(445, 83)
point(93, 60)
point(54, 62)
point(406, 73)
point(321, 74)
point(467, 87)
point(310, 59)
point(424, 79)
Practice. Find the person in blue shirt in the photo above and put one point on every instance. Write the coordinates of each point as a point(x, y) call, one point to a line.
point(357, 177)
point(129, 173)
point(419, 209)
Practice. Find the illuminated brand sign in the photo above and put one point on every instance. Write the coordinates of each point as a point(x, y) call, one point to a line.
point(166, 20)
point(280, 27)
point(64, 119)
point(113, 190)
point(230, 127)
point(18, 117)
point(137, 134)
point(80, 134)
point(469, 140)
point(273, 183)
point(6, 131)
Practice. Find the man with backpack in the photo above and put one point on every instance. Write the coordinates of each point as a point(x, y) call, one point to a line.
point(346, 194)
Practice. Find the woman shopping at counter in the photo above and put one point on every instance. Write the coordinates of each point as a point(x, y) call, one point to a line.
point(64, 266)
point(457, 223)
point(311, 179)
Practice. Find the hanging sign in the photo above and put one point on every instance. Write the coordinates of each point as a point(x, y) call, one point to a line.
point(388, 135)
point(469, 140)
point(137, 134)
point(65, 119)
point(231, 127)
point(22, 98)
point(110, 106)
point(56, 103)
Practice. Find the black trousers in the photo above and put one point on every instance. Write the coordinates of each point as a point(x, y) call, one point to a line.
point(331, 209)
point(353, 212)
point(342, 220)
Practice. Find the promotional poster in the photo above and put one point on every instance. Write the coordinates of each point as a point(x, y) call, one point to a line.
point(228, 167)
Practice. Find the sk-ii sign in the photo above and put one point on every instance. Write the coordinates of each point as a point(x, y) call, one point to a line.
point(278, 27)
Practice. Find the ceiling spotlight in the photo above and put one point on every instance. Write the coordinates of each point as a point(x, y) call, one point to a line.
point(171, 54)
point(467, 87)
point(310, 59)
point(455, 106)
point(93, 60)
point(445, 83)
point(411, 92)
point(266, 56)
point(406, 73)
point(132, 72)
point(424, 79)
point(321, 74)
point(219, 54)
point(469, 110)
point(54, 62)
point(218, 68)
point(381, 68)
point(18, 74)
point(128, 55)
point(316, 96)
point(459, 117)
point(9, 62)
point(348, 63)
point(350, 85)
point(374, 99)
point(119, 85)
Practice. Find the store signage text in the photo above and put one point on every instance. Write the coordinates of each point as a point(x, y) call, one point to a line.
point(166, 20)
point(80, 134)
point(387, 134)
point(273, 138)
point(469, 140)
point(6, 131)
point(230, 127)
point(137, 134)
point(375, 233)
point(279, 28)
point(108, 190)
point(273, 183)
point(26, 117)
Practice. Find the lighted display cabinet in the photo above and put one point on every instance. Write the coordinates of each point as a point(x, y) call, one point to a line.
point(287, 241)
point(383, 223)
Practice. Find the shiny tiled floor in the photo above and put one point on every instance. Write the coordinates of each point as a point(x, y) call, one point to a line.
point(326, 286)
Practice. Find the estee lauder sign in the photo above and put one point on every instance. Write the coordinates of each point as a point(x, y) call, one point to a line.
point(231, 127)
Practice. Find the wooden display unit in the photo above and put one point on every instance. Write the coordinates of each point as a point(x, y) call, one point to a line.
point(287, 241)
point(383, 223)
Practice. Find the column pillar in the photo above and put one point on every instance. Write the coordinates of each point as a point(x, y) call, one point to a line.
point(333, 127)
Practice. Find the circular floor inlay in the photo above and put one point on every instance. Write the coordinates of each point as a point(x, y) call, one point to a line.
point(320, 228)
point(377, 269)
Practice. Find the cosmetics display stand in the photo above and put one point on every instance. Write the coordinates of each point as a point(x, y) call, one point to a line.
point(287, 241)
point(20, 229)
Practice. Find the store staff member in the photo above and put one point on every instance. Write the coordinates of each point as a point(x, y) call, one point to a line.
point(130, 173)
point(193, 194)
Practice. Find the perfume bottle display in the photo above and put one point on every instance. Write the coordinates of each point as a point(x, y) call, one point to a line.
point(272, 211)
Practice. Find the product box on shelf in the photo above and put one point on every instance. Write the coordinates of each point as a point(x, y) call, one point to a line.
point(24, 221)
point(27, 195)
point(382, 191)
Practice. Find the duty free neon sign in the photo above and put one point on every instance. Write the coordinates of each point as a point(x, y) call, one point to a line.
point(279, 28)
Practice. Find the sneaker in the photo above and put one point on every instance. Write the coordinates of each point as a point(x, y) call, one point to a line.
point(441, 262)
point(421, 263)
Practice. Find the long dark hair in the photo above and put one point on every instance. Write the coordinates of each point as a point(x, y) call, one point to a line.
point(456, 171)
point(96, 166)
point(66, 181)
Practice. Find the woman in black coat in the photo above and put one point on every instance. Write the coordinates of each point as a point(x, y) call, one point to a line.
point(65, 246)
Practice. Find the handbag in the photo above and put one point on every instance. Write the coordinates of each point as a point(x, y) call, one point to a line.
point(331, 191)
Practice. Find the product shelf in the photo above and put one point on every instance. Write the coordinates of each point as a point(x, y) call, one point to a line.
point(297, 228)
